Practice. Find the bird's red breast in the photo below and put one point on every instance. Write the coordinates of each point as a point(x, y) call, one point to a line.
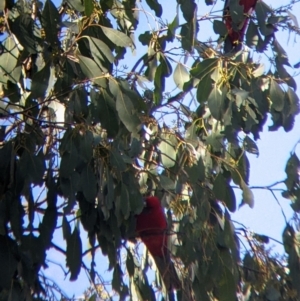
point(151, 227)
point(236, 36)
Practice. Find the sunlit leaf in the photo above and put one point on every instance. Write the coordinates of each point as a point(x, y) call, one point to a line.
point(117, 37)
point(180, 76)
point(248, 196)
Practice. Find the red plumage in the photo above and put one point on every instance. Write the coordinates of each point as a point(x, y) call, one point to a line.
point(151, 227)
point(236, 33)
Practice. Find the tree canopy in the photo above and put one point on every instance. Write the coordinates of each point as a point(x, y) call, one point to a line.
point(104, 103)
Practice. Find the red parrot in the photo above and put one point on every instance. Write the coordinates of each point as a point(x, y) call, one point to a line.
point(236, 32)
point(151, 227)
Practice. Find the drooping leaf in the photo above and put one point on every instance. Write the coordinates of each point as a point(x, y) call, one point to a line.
point(51, 23)
point(103, 109)
point(100, 51)
point(88, 7)
point(8, 59)
point(8, 261)
point(224, 192)
point(276, 96)
point(292, 171)
point(93, 71)
point(127, 112)
point(166, 183)
point(204, 89)
point(130, 263)
point(204, 68)
point(248, 196)
point(88, 183)
point(76, 5)
point(41, 81)
point(23, 27)
point(216, 102)
point(180, 76)
point(117, 37)
point(154, 4)
point(250, 146)
point(167, 151)
point(220, 28)
point(48, 225)
point(188, 8)
point(74, 254)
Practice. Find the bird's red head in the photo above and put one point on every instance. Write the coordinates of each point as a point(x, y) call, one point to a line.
point(152, 202)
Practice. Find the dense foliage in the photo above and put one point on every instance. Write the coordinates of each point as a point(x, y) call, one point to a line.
point(84, 138)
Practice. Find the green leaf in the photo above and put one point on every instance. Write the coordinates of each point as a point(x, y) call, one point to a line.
point(85, 145)
point(220, 28)
point(8, 262)
point(103, 109)
point(224, 192)
point(40, 82)
point(252, 35)
point(188, 33)
point(77, 109)
point(48, 226)
point(250, 146)
point(276, 95)
point(159, 85)
point(88, 184)
point(166, 183)
point(76, 5)
point(100, 51)
point(117, 37)
point(284, 75)
point(151, 63)
point(272, 294)
point(33, 166)
point(293, 101)
point(196, 172)
point(74, 254)
point(216, 102)
point(88, 7)
point(124, 202)
point(9, 58)
point(117, 278)
point(204, 89)
point(23, 27)
point(181, 76)
point(167, 151)
point(207, 66)
point(127, 112)
point(51, 23)
point(92, 71)
point(189, 9)
point(292, 171)
point(130, 263)
point(117, 161)
point(282, 57)
point(68, 163)
point(248, 196)
point(66, 228)
point(153, 4)
point(227, 286)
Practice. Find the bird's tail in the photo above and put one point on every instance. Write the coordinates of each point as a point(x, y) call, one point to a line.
point(168, 273)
